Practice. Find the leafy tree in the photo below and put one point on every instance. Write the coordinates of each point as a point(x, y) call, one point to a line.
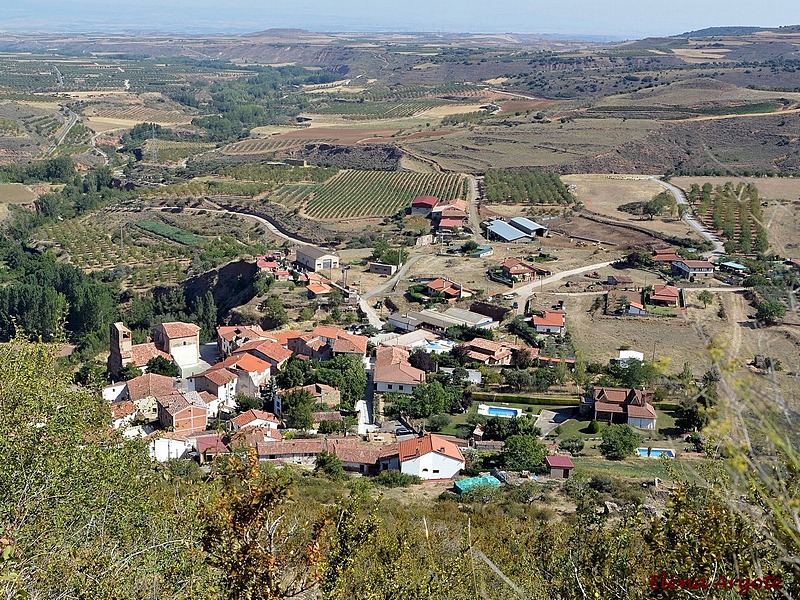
point(329, 465)
point(129, 371)
point(428, 399)
point(706, 298)
point(274, 312)
point(92, 374)
point(524, 453)
point(500, 428)
point(517, 379)
point(619, 442)
point(438, 422)
point(573, 445)
point(690, 415)
point(347, 373)
point(771, 312)
point(298, 406)
point(420, 359)
point(160, 365)
point(245, 402)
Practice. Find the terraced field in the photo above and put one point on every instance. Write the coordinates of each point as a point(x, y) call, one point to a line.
point(358, 111)
point(139, 114)
point(256, 146)
point(360, 194)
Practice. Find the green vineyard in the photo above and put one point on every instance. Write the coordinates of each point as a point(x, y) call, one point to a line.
point(378, 110)
point(515, 185)
point(354, 194)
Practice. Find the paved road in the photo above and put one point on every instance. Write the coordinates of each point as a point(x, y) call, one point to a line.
point(680, 198)
point(73, 118)
point(525, 291)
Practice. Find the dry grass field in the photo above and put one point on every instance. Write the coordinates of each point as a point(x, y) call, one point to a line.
point(479, 147)
point(15, 193)
point(604, 194)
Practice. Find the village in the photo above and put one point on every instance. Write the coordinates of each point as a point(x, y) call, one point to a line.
point(439, 387)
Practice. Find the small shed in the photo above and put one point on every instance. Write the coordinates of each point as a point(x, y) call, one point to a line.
point(560, 466)
point(467, 485)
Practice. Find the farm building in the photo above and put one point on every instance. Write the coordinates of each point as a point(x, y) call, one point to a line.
point(482, 252)
point(516, 270)
point(667, 255)
point(472, 319)
point(404, 321)
point(693, 268)
point(466, 485)
point(423, 205)
point(619, 280)
point(560, 466)
point(502, 231)
point(382, 269)
point(625, 356)
point(531, 228)
point(636, 309)
point(311, 258)
point(734, 267)
point(448, 288)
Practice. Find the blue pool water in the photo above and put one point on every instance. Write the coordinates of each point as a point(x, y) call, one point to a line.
point(656, 452)
point(496, 411)
point(437, 347)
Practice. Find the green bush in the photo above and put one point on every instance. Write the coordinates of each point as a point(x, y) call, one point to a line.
point(594, 426)
point(393, 479)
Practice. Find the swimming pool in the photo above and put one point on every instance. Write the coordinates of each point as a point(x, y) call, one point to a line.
point(499, 411)
point(439, 347)
point(656, 452)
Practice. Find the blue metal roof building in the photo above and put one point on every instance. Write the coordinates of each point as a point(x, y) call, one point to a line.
point(500, 230)
point(528, 226)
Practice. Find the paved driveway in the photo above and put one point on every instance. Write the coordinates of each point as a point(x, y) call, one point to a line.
point(548, 420)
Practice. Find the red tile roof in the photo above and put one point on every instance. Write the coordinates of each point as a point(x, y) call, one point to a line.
point(348, 343)
point(178, 401)
point(416, 447)
point(451, 222)
point(177, 329)
point(666, 290)
point(559, 462)
point(247, 332)
point(247, 417)
point(329, 415)
point(283, 337)
point(149, 384)
point(425, 202)
point(142, 353)
point(398, 373)
point(217, 376)
point(272, 350)
point(550, 318)
point(318, 288)
point(243, 361)
point(390, 355)
point(211, 445)
point(122, 409)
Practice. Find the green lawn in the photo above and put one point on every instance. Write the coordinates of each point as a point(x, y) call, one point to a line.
point(631, 468)
point(456, 420)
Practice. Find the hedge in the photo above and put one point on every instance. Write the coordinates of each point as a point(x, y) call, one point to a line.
point(666, 406)
point(531, 400)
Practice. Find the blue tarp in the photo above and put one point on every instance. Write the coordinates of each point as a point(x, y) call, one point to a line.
point(465, 485)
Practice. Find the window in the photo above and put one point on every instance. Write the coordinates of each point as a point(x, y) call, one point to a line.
point(436, 470)
point(424, 470)
point(402, 388)
point(390, 386)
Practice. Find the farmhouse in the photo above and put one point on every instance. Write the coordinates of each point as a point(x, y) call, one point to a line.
point(449, 205)
point(252, 372)
point(619, 301)
point(430, 457)
point(620, 405)
point(311, 258)
point(560, 466)
point(692, 268)
point(423, 205)
point(667, 255)
point(516, 270)
point(551, 321)
point(665, 295)
point(451, 290)
point(267, 350)
point(488, 352)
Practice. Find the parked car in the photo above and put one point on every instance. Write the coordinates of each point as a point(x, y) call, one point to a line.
point(508, 296)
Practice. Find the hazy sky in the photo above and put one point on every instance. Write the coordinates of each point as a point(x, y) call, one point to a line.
point(620, 18)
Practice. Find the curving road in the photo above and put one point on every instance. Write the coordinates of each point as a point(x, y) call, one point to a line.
point(680, 198)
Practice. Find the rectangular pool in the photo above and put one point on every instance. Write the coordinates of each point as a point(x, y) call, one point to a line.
point(499, 411)
point(656, 452)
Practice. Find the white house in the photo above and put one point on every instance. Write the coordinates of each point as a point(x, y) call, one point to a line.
point(217, 382)
point(551, 321)
point(430, 457)
point(255, 418)
point(164, 446)
point(251, 371)
point(115, 392)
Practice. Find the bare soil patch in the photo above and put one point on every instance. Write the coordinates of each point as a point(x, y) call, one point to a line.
point(618, 236)
point(16, 193)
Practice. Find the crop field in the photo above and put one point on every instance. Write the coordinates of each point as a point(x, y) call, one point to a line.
point(169, 152)
point(139, 114)
point(734, 211)
point(505, 185)
point(170, 232)
point(378, 110)
point(359, 194)
point(268, 146)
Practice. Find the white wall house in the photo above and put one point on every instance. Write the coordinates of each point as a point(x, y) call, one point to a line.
point(116, 392)
point(430, 457)
point(220, 383)
point(166, 448)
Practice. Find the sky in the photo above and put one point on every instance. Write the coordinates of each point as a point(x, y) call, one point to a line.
point(621, 19)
